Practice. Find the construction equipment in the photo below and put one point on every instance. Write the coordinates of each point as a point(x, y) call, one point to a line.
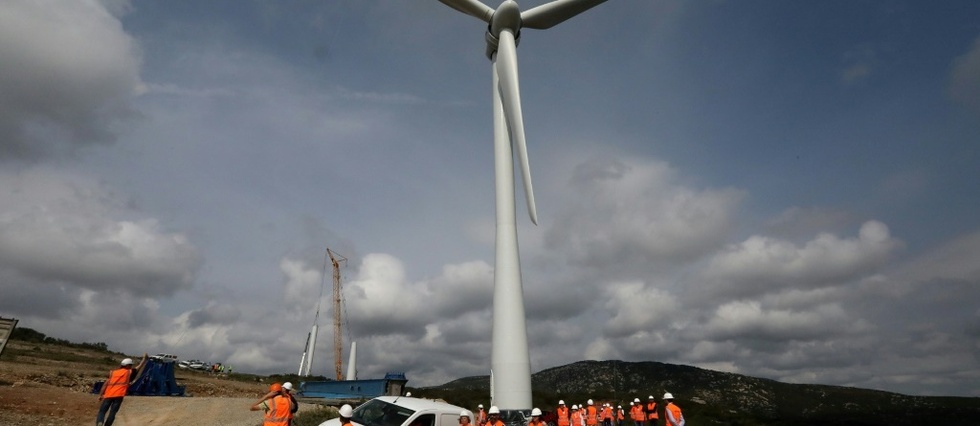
point(7, 326)
point(306, 362)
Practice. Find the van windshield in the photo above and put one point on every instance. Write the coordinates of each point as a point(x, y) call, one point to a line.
point(379, 413)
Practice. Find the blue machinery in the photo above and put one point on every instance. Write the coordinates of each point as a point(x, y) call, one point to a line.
point(156, 379)
point(392, 384)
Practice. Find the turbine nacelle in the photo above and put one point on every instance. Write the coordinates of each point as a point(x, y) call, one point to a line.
point(506, 17)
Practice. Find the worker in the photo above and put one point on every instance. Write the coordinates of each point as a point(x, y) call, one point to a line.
point(288, 391)
point(605, 415)
point(562, 413)
point(535, 417)
point(114, 390)
point(276, 405)
point(672, 412)
point(493, 417)
point(576, 416)
point(651, 410)
point(620, 416)
point(481, 416)
point(345, 412)
point(591, 415)
point(464, 418)
point(636, 412)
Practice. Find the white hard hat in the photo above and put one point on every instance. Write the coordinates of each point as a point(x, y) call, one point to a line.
point(561, 402)
point(464, 413)
point(408, 394)
point(574, 407)
point(636, 399)
point(494, 410)
point(590, 402)
point(346, 411)
point(127, 361)
point(631, 403)
point(479, 406)
point(668, 396)
point(620, 406)
point(536, 412)
point(651, 397)
point(287, 386)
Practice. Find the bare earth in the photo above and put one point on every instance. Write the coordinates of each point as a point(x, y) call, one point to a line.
point(42, 391)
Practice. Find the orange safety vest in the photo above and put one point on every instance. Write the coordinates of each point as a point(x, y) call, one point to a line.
point(562, 416)
point(117, 384)
point(577, 417)
point(481, 417)
point(636, 413)
point(535, 423)
point(590, 416)
point(606, 412)
point(278, 411)
point(675, 411)
point(620, 414)
point(652, 411)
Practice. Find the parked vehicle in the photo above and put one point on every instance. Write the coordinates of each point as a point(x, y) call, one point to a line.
point(165, 357)
point(404, 411)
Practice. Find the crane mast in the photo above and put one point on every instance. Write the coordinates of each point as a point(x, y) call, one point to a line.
point(338, 343)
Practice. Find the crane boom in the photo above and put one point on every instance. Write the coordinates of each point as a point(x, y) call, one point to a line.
point(338, 343)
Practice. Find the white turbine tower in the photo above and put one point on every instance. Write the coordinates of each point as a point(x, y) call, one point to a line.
point(510, 362)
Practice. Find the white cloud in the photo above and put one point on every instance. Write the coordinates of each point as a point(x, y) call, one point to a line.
point(69, 71)
point(761, 263)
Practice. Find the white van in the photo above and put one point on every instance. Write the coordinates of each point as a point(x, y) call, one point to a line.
point(404, 411)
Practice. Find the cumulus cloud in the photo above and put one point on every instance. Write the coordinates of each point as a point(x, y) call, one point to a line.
point(69, 71)
point(762, 263)
point(65, 230)
point(629, 211)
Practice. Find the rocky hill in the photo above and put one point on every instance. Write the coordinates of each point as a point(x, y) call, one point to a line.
point(711, 397)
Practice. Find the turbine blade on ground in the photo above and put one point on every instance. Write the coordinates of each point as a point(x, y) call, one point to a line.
point(473, 8)
point(550, 14)
point(510, 94)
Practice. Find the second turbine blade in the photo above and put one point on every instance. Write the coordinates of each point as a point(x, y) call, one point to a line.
point(510, 94)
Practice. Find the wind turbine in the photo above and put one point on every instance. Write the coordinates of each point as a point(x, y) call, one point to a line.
point(510, 361)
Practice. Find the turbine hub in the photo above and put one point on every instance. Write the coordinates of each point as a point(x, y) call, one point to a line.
point(506, 17)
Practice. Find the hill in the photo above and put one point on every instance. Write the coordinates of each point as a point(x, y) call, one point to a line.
point(712, 397)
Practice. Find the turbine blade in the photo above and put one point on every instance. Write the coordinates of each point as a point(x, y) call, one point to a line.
point(550, 14)
point(510, 94)
point(474, 8)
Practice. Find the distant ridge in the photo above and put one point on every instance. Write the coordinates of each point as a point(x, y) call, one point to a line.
point(712, 397)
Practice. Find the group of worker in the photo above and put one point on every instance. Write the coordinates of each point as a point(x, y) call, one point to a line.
point(640, 414)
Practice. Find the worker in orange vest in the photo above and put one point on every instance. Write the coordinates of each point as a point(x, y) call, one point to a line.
point(114, 390)
point(606, 414)
point(346, 412)
point(620, 416)
point(562, 413)
point(672, 412)
point(591, 415)
point(481, 416)
point(277, 406)
point(576, 417)
point(493, 417)
point(651, 409)
point(636, 412)
point(536, 418)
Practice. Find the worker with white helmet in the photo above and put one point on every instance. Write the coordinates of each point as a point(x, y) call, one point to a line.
point(591, 414)
point(562, 414)
point(576, 416)
point(493, 417)
point(535, 418)
point(464, 418)
point(114, 390)
point(620, 416)
point(636, 412)
point(481, 415)
point(346, 413)
point(287, 389)
point(653, 416)
point(672, 412)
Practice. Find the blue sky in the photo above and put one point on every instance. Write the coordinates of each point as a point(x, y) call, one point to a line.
point(783, 190)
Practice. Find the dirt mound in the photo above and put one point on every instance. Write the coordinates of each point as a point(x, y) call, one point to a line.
point(49, 384)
